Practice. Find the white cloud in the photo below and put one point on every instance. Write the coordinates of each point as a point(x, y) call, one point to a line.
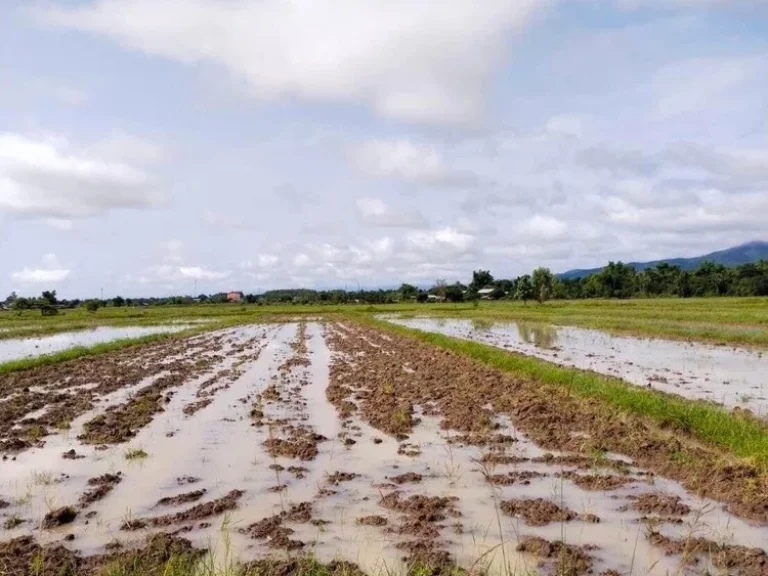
point(447, 238)
point(301, 260)
point(60, 224)
point(404, 160)
point(376, 212)
point(405, 59)
point(268, 260)
point(544, 227)
point(45, 177)
point(198, 273)
point(51, 272)
point(39, 276)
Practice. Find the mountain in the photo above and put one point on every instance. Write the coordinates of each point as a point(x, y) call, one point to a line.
point(743, 254)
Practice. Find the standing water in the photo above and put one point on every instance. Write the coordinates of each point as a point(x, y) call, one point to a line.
point(729, 376)
point(17, 348)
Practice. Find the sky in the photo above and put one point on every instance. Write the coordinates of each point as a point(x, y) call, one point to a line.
point(159, 147)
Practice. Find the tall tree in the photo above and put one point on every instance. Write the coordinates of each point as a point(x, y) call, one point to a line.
point(543, 284)
point(49, 297)
point(480, 279)
point(524, 288)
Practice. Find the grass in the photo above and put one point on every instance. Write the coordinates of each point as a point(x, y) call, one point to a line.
point(135, 454)
point(742, 436)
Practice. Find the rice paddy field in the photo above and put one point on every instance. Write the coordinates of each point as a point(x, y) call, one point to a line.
point(566, 438)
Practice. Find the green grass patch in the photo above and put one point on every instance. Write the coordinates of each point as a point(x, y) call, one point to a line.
point(135, 454)
point(742, 436)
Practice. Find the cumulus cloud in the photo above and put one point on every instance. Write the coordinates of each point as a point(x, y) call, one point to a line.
point(544, 227)
point(39, 276)
point(45, 177)
point(446, 238)
point(51, 272)
point(405, 59)
point(404, 160)
point(199, 273)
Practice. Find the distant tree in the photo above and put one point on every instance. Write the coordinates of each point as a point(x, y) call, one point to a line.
point(408, 291)
point(421, 297)
point(543, 284)
point(480, 279)
point(118, 301)
point(684, 289)
point(439, 288)
point(12, 297)
point(251, 298)
point(454, 293)
point(92, 305)
point(49, 297)
point(524, 289)
point(203, 297)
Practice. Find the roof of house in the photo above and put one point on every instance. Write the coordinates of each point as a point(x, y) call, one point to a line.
point(486, 290)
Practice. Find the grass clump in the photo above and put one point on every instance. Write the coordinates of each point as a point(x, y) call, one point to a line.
point(135, 454)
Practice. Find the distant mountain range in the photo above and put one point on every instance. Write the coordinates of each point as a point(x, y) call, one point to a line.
point(743, 254)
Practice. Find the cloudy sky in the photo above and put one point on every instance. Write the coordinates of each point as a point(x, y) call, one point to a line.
point(152, 147)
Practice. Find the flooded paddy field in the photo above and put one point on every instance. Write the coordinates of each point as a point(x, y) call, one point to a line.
point(729, 376)
point(351, 444)
point(17, 348)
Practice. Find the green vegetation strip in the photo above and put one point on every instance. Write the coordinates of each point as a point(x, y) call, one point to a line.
point(742, 436)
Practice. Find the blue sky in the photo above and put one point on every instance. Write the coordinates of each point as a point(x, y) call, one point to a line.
point(150, 147)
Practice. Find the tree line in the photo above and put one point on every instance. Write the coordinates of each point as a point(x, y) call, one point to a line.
point(616, 280)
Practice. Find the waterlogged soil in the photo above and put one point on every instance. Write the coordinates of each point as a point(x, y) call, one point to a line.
point(725, 375)
point(372, 451)
point(17, 348)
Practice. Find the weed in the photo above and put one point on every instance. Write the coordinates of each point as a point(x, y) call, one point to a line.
point(12, 521)
point(135, 454)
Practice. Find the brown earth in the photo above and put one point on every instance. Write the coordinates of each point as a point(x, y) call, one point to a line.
point(69, 389)
point(372, 521)
point(19, 555)
point(731, 559)
point(537, 511)
point(102, 485)
point(198, 512)
point(568, 560)
point(597, 481)
point(456, 386)
point(661, 504)
point(63, 515)
point(184, 498)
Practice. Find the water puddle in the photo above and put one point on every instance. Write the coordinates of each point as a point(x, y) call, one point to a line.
point(18, 348)
point(729, 376)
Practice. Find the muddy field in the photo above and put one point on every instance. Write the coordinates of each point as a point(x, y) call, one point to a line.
point(733, 377)
point(339, 441)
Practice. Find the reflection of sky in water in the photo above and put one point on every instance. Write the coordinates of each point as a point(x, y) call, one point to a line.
point(16, 348)
point(729, 376)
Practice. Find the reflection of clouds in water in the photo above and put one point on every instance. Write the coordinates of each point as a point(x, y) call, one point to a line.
point(540, 335)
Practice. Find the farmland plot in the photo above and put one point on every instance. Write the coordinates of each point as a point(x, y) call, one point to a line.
point(344, 442)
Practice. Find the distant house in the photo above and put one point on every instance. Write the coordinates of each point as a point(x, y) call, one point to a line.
point(435, 298)
point(235, 297)
point(485, 293)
